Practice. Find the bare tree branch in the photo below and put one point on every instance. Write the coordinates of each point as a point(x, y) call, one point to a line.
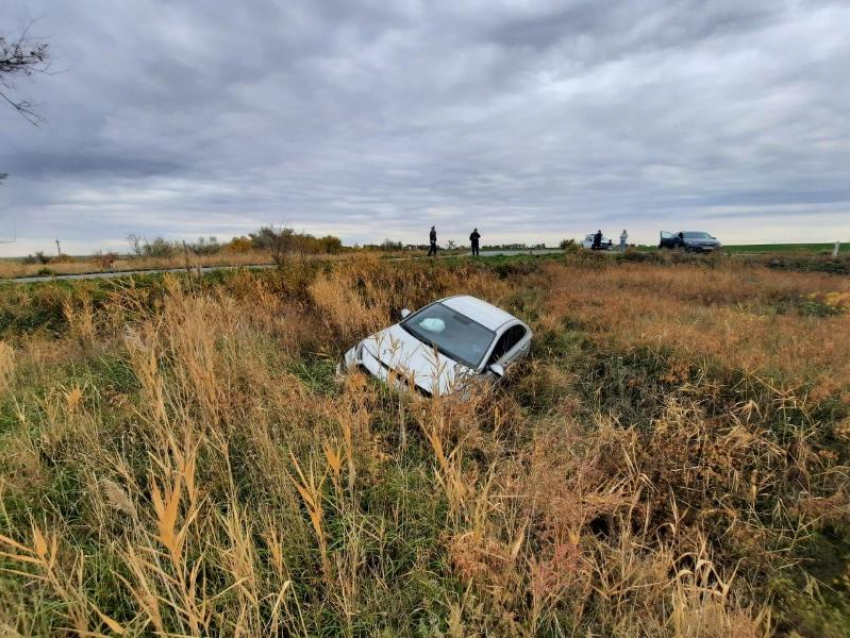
point(21, 58)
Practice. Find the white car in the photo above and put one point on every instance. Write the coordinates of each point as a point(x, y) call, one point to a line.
point(607, 244)
point(442, 347)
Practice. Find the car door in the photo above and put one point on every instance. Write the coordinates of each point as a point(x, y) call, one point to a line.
point(522, 346)
point(513, 345)
point(668, 240)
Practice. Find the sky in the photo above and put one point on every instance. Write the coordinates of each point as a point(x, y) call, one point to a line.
point(532, 120)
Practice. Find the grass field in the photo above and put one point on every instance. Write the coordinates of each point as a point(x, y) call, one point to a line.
point(68, 265)
point(778, 249)
point(11, 268)
point(672, 460)
point(789, 248)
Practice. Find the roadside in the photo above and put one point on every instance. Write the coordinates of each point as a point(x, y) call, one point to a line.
point(113, 274)
point(798, 257)
point(124, 273)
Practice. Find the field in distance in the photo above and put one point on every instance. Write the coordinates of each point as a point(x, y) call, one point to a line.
point(239, 252)
point(789, 248)
point(780, 249)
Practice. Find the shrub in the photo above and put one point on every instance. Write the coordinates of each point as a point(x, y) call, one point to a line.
point(330, 244)
point(38, 258)
point(634, 255)
point(159, 247)
point(239, 245)
point(105, 261)
point(284, 243)
point(205, 246)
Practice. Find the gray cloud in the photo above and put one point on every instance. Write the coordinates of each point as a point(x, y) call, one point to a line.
point(532, 120)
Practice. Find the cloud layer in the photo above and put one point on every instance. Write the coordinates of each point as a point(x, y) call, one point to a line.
point(533, 120)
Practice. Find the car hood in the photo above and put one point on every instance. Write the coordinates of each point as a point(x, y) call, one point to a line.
point(396, 350)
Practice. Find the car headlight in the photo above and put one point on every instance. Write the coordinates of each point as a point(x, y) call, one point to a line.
point(349, 359)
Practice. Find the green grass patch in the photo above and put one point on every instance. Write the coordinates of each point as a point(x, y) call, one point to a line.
point(788, 248)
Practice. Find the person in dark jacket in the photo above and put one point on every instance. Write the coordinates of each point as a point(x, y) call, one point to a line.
point(432, 251)
point(597, 240)
point(473, 239)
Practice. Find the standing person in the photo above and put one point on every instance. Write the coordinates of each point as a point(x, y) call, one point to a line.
point(432, 251)
point(597, 240)
point(473, 239)
point(624, 237)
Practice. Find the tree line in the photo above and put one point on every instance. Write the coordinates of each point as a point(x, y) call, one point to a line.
point(278, 241)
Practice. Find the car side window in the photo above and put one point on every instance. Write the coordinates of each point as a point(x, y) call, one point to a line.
point(506, 343)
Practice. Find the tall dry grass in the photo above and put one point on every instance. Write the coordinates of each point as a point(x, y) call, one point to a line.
point(751, 319)
point(187, 466)
point(7, 365)
point(10, 268)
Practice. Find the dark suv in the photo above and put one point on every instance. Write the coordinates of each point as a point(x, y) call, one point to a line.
point(690, 241)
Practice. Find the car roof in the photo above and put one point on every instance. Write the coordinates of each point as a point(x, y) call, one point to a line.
point(479, 311)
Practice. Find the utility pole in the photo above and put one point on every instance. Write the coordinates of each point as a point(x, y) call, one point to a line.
point(58, 248)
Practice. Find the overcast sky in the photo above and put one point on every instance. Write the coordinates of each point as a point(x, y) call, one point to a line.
point(532, 120)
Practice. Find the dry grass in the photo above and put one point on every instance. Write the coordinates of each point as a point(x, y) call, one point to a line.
point(754, 320)
point(10, 268)
point(7, 365)
point(178, 460)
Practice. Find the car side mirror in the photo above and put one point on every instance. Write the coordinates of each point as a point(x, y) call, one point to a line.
point(405, 313)
point(498, 370)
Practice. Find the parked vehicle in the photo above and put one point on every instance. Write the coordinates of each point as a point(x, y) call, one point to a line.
point(690, 241)
point(607, 243)
point(443, 347)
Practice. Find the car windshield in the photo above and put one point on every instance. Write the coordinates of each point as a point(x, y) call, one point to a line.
point(698, 236)
point(453, 334)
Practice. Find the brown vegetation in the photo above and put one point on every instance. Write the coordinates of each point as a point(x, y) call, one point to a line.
point(11, 268)
point(178, 460)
